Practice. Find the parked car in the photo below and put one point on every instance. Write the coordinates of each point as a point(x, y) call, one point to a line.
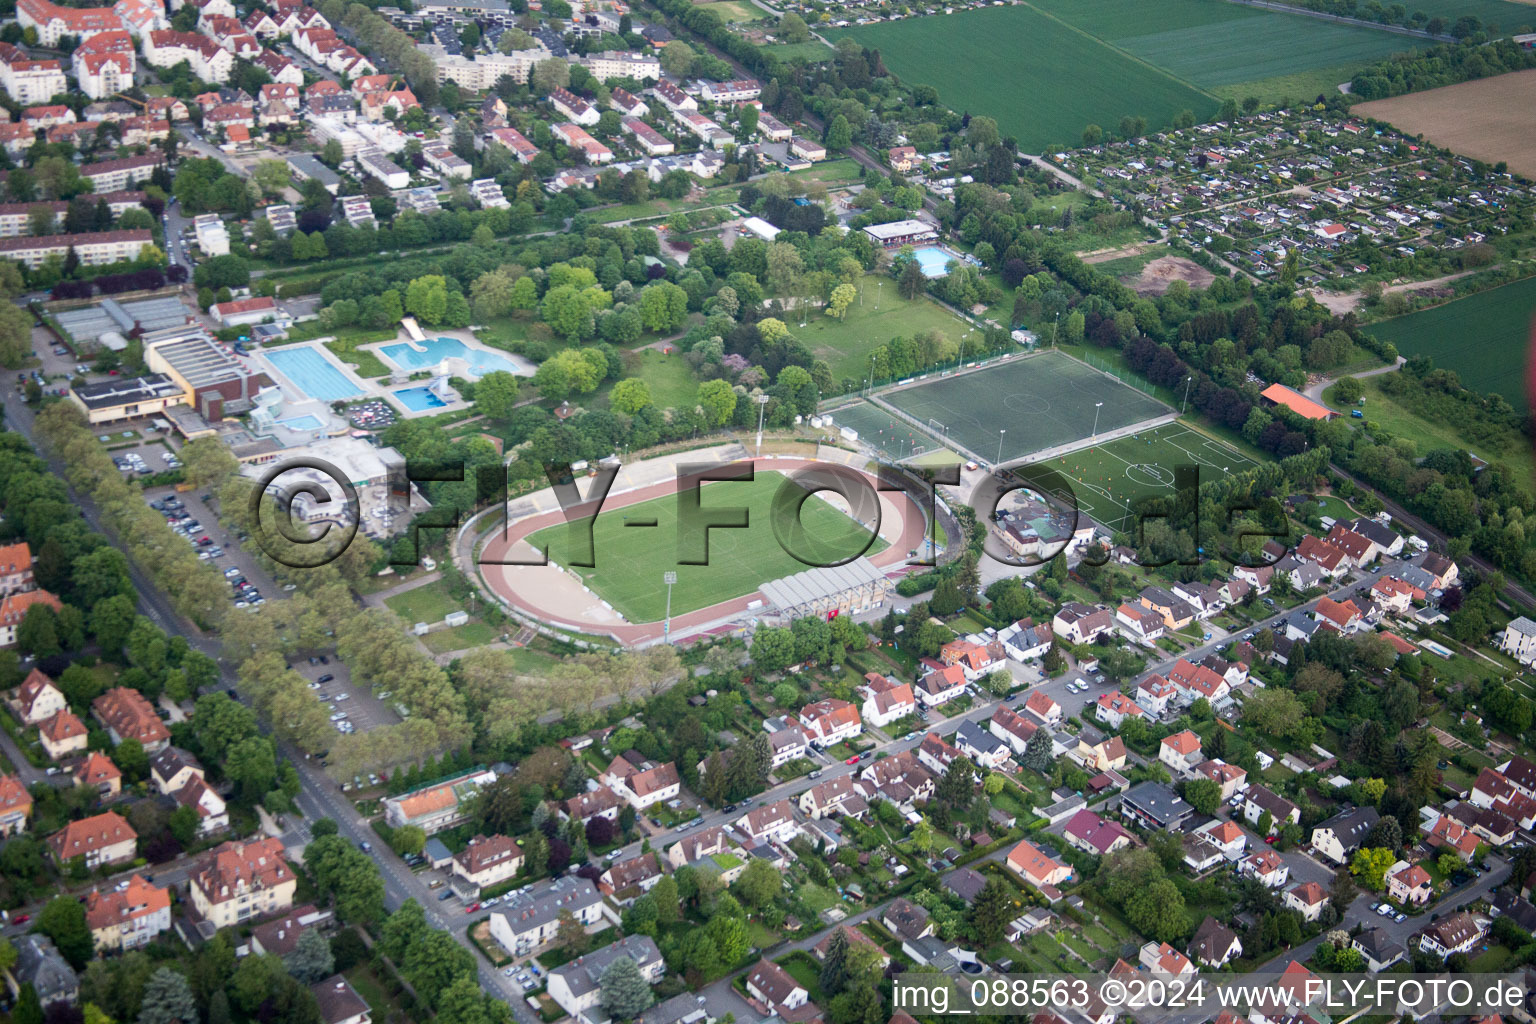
point(325, 678)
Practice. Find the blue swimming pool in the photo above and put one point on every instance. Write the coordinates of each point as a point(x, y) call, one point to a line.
point(301, 423)
point(424, 355)
point(313, 374)
point(932, 260)
point(419, 399)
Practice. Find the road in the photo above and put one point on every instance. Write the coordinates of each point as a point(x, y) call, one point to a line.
point(1315, 392)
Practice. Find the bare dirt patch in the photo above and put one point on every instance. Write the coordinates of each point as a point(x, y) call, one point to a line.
point(1156, 276)
point(1491, 119)
point(1105, 255)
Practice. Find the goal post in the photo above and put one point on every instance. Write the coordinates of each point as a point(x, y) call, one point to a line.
point(934, 424)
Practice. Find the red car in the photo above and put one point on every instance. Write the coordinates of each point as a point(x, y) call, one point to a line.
point(471, 908)
point(852, 760)
point(21, 919)
point(1270, 839)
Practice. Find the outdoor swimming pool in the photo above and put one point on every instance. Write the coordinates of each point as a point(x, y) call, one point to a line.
point(419, 399)
point(313, 374)
point(434, 350)
point(302, 423)
point(932, 260)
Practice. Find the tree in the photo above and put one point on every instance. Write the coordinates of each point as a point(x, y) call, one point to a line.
point(63, 921)
point(912, 282)
point(1092, 135)
point(625, 992)
point(834, 967)
point(408, 840)
point(677, 58)
point(1273, 711)
point(15, 336)
point(1386, 834)
point(1038, 752)
point(131, 760)
point(549, 75)
point(496, 395)
point(1204, 795)
point(773, 649)
point(28, 1009)
point(842, 297)
point(167, 999)
point(311, 959)
point(994, 907)
point(1157, 911)
point(630, 395)
point(1348, 390)
point(761, 883)
point(718, 400)
point(1370, 866)
point(839, 134)
point(427, 298)
point(270, 176)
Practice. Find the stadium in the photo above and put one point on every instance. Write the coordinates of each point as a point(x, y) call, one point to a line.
point(750, 573)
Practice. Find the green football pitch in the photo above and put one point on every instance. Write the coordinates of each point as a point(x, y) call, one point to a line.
point(1109, 478)
point(1024, 405)
point(630, 560)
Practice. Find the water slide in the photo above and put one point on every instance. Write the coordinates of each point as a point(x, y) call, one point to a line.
point(411, 328)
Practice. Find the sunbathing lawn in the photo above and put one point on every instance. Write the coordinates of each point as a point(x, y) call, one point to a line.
point(847, 343)
point(430, 603)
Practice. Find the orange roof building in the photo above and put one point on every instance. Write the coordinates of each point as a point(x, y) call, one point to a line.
point(104, 839)
point(128, 917)
point(1300, 404)
point(126, 713)
point(15, 806)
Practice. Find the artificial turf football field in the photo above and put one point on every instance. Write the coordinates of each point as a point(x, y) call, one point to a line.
point(630, 560)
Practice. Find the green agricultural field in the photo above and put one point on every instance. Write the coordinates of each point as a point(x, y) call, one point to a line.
point(1485, 337)
point(846, 344)
point(630, 562)
point(1507, 16)
point(1288, 89)
point(1041, 78)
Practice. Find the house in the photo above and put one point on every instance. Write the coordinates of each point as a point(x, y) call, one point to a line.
point(1024, 640)
point(1139, 624)
point(1443, 571)
point(39, 964)
point(807, 149)
point(973, 658)
point(906, 920)
point(128, 916)
point(1331, 560)
point(103, 839)
point(1026, 861)
point(941, 685)
point(15, 559)
point(240, 881)
point(1409, 884)
point(15, 806)
point(854, 937)
point(99, 773)
point(1214, 944)
point(901, 158)
point(1258, 800)
point(1114, 708)
point(1519, 640)
point(1361, 550)
point(577, 986)
point(1308, 898)
point(715, 846)
point(1458, 933)
point(772, 986)
point(981, 746)
point(488, 861)
point(1205, 599)
point(1256, 576)
point(1106, 755)
point(773, 822)
point(339, 1002)
point(1377, 949)
point(1296, 402)
point(965, 883)
point(1343, 616)
point(1154, 806)
point(1227, 837)
point(627, 879)
point(831, 721)
point(93, 248)
point(1191, 682)
point(280, 936)
point(126, 713)
point(1154, 692)
point(937, 753)
point(1080, 624)
point(1229, 777)
point(1176, 613)
point(172, 768)
point(37, 699)
point(1342, 834)
point(902, 779)
point(1093, 834)
point(885, 700)
point(1266, 867)
point(788, 744)
point(1181, 751)
point(643, 784)
point(62, 735)
point(601, 802)
point(1012, 728)
point(840, 795)
point(526, 921)
point(1161, 958)
point(1449, 834)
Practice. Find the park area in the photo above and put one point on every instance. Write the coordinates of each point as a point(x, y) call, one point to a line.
point(877, 316)
point(1485, 338)
point(631, 554)
point(1489, 119)
point(1022, 406)
point(1109, 479)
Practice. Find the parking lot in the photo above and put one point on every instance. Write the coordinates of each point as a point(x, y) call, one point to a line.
point(362, 710)
point(147, 453)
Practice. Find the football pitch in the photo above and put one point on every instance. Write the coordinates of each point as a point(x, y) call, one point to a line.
point(1109, 478)
point(630, 560)
point(1023, 406)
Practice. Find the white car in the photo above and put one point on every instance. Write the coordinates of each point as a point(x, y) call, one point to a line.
point(339, 716)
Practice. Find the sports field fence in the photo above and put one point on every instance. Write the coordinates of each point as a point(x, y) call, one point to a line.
point(1123, 376)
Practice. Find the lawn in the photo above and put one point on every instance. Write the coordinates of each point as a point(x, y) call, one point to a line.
point(881, 314)
point(672, 383)
point(628, 574)
point(372, 990)
point(1500, 321)
point(1041, 78)
point(811, 52)
point(460, 638)
point(1286, 89)
point(829, 171)
point(429, 603)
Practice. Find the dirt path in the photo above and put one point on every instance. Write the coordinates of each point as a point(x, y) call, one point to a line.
point(1340, 303)
point(1315, 391)
point(1124, 252)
